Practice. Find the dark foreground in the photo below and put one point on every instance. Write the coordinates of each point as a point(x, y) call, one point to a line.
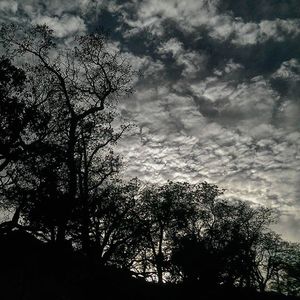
point(30, 269)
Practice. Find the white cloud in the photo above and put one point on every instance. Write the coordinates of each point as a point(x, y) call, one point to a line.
point(192, 14)
point(9, 6)
point(64, 26)
point(171, 46)
point(289, 225)
point(192, 61)
point(288, 70)
point(34, 8)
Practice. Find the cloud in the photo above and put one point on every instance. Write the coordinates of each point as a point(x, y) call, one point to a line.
point(288, 70)
point(241, 33)
point(192, 15)
point(289, 225)
point(57, 8)
point(233, 139)
point(52, 11)
point(64, 26)
point(230, 103)
point(9, 6)
point(192, 62)
point(257, 10)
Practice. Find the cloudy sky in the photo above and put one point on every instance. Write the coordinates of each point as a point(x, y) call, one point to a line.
point(219, 96)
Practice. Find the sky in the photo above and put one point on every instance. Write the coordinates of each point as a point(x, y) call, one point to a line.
point(219, 94)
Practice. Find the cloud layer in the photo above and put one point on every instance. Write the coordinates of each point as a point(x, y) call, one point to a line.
point(219, 95)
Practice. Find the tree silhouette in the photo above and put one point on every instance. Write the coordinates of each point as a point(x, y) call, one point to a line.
point(114, 227)
point(22, 133)
point(164, 212)
point(196, 262)
point(76, 89)
point(230, 243)
point(287, 273)
point(13, 112)
point(268, 259)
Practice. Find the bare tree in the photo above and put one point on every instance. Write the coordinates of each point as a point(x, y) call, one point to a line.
point(77, 87)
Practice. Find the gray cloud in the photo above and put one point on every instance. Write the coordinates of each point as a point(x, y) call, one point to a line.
point(63, 26)
point(193, 14)
point(65, 17)
point(256, 10)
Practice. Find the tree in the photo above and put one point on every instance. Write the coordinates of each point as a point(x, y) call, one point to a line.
point(195, 261)
point(228, 245)
point(115, 230)
point(287, 275)
point(13, 112)
point(269, 250)
point(77, 88)
point(22, 129)
point(196, 254)
point(164, 212)
point(239, 232)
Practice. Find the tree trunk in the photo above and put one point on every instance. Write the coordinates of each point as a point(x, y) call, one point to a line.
point(159, 260)
point(69, 201)
point(160, 257)
point(85, 237)
point(61, 232)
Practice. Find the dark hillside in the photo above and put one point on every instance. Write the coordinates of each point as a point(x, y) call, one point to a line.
point(31, 269)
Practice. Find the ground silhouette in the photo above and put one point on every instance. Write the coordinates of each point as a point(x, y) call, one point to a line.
point(31, 269)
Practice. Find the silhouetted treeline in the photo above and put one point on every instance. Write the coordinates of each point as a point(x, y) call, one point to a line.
point(72, 223)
